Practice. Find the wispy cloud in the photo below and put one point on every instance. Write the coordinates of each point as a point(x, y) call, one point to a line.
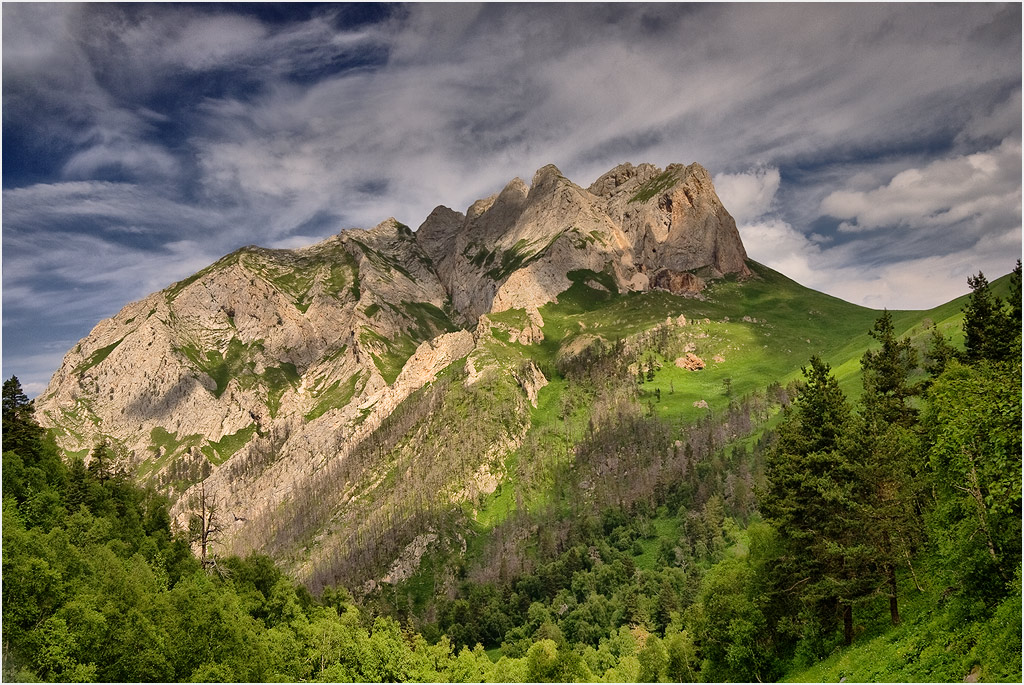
point(977, 192)
point(143, 141)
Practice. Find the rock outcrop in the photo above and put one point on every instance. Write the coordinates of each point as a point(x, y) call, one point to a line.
point(678, 282)
point(514, 250)
point(690, 362)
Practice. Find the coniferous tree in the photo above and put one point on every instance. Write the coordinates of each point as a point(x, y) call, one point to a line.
point(940, 352)
point(1015, 299)
point(991, 327)
point(21, 432)
point(810, 500)
point(885, 452)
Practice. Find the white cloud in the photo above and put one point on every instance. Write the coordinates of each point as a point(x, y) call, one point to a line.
point(442, 104)
point(749, 195)
point(775, 243)
point(980, 188)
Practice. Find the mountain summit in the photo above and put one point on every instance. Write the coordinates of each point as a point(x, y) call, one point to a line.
point(641, 225)
point(253, 376)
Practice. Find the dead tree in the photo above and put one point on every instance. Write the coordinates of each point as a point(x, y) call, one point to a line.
point(204, 526)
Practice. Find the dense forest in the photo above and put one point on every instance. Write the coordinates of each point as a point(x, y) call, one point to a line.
point(800, 535)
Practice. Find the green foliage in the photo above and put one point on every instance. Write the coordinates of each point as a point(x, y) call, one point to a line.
point(337, 395)
point(573, 570)
point(423, 321)
point(278, 379)
point(985, 324)
point(655, 186)
point(97, 356)
point(382, 261)
point(973, 424)
point(516, 257)
point(222, 450)
point(223, 367)
point(887, 371)
point(21, 432)
point(810, 499)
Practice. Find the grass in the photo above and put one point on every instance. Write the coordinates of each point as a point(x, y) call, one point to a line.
point(519, 255)
point(220, 451)
point(665, 528)
point(792, 324)
point(935, 641)
point(222, 367)
point(424, 322)
point(391, 357)
point(166, 446)
point(296, 276)
point(380, 260)
point(97, 356)
point(655, 186)
point(786, 324)
point(337, 395)
point(277, 380)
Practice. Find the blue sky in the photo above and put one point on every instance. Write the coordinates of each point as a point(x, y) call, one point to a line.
point(872, 151)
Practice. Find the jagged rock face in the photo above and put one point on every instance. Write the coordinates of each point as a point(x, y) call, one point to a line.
point(259, 371)
point(673, 218)
point(514, 249)
point(258, 337)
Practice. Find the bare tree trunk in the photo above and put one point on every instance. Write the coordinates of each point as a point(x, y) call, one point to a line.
point(894, 612)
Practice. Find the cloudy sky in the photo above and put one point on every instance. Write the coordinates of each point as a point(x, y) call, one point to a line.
point(870, 151)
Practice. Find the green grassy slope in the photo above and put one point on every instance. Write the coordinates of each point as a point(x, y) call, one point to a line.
point(935, 642)
point(785, 324)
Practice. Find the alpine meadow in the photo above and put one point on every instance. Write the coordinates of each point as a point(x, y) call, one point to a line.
point(562, 433)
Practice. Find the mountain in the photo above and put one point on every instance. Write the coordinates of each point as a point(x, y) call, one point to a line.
point(354, 405)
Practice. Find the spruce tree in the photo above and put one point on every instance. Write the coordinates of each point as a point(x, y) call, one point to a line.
point(992, 328)
point(810, 500)
point(885, 454)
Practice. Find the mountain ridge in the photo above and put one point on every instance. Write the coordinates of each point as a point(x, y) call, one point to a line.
point(256, 373)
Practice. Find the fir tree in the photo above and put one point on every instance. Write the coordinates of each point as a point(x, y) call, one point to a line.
point(885, 452)
point(992, 330)
point(810, 500)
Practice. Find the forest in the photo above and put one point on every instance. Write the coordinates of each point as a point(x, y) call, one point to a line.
point(799, 535)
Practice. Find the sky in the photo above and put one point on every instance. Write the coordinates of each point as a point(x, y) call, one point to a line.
point(871, 151)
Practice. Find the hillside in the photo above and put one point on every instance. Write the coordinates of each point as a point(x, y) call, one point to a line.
point(350, 406)
point(252, 376)
point(545, 425)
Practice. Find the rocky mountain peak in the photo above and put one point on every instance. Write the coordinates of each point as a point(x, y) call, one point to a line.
point(608, 182)
point(547, 173)
point(252, 373)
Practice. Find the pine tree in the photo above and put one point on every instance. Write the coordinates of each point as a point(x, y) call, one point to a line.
point(887, 376)
point(885, 454)
point(991, 328)
point(810, 500)
point(939, 353)
point(21, 433)
point(99, 460)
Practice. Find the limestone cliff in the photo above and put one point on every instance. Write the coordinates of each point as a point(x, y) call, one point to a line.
point(514, 249)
